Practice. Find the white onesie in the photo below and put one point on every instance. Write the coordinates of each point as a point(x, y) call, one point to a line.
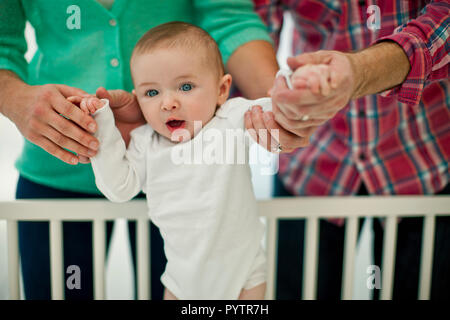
point(207, 213)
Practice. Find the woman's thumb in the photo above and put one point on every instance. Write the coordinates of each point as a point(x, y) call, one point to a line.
point(102, 93)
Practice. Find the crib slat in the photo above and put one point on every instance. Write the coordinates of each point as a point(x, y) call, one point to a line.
point(426, 263)
point(99, 259)
point(13, 259)
point(389, 247)
point(56, 260)
point(310, 267)
point(271, 245)
point(351, 234)
point(143, 258)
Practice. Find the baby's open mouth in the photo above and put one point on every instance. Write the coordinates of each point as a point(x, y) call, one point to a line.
point(173, 125)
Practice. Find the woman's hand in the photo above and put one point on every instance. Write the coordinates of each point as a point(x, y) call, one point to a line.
point(125, 108)
point(45, 117)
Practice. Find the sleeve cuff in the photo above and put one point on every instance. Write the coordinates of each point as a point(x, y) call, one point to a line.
point(18, 67)
point(410, 91)
point(230, 44)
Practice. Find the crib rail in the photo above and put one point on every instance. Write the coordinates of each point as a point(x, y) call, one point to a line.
point(311, 208)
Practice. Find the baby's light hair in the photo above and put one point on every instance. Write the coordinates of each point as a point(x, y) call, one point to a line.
point(180, 34)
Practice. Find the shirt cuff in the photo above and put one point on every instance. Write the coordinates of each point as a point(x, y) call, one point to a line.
point(230, 44)
point(19, 67)
point(410, 91)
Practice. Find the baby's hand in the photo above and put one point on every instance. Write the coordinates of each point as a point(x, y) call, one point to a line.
point(88, 104)
point(318, 77)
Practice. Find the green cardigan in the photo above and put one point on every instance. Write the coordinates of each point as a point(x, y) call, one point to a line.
point(87, 46)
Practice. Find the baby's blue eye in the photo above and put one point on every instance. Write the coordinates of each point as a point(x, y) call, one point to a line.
point(151, 93)
point(186, 87)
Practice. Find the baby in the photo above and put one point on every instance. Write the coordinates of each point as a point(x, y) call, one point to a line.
point(206, 212)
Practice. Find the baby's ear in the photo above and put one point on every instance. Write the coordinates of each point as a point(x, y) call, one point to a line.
point(224, 89)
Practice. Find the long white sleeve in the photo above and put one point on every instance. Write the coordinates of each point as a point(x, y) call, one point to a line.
point(119, 172)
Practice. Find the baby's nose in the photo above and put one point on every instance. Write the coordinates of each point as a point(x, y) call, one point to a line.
point(170, 103)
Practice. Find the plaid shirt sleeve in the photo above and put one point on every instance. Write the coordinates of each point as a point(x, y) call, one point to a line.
point(425, 42)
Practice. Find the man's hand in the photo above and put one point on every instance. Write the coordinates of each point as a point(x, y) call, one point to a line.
point(45, 117)
point(303, 109)
point(351, 75)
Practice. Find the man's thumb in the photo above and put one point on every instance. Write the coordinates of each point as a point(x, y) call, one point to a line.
point(318, 57)
point(299, 61)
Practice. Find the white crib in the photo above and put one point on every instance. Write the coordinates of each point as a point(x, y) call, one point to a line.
point(309, 208)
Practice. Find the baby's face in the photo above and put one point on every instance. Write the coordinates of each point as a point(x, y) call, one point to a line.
point(175, 87)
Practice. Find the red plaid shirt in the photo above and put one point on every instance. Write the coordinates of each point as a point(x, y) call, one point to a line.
point(397, 142)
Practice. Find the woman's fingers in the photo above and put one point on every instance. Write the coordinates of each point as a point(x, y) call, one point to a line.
point(278, 135)
point(260, 128)
point(69, 110)
point(269, 121)
point(63, 141)
point(83, 159)
point(52, 148)
point(67, 91)
point(76, 100)
point(249, 126)
point(258, 125)
point(70, 130)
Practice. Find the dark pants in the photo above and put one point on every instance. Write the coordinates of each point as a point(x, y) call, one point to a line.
point(77, 246)
point(331, 249)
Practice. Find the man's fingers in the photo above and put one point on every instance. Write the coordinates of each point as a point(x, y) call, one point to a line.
point(306, 132)
point(303, 59)
point(300, 83)
point(298, 97)
point(323, 75)
point(290, 124)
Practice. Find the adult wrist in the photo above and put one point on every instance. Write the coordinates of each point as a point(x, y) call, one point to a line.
point(10, 85)
point(378, 68)
point(358, 76)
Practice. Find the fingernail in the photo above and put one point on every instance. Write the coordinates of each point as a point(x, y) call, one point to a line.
point(74, 160)
point(93, 145)
point(91, 127)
